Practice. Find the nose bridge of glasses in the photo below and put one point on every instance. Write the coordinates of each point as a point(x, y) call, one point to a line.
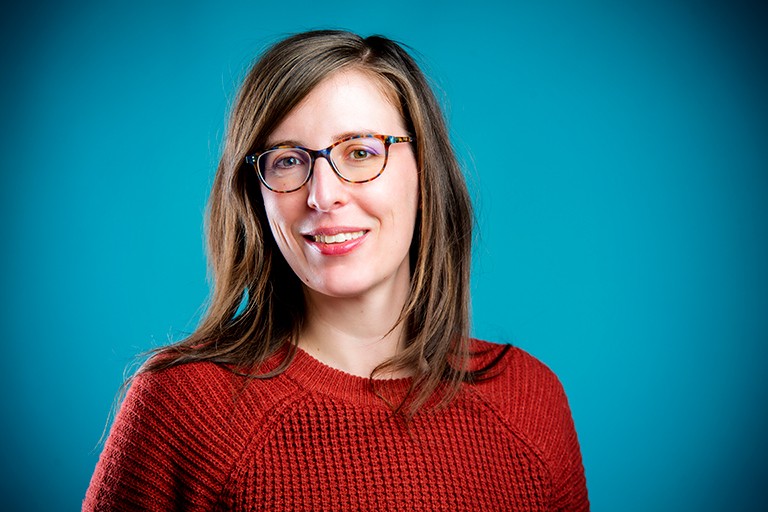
point(325, 186)
point(325, 154)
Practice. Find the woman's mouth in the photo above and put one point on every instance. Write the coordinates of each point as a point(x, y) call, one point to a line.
point(336, 241)
point(337, 238)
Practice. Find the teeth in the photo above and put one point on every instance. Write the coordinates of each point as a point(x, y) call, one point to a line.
point(337, 238)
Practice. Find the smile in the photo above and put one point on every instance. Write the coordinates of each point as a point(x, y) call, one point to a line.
point(337, 238)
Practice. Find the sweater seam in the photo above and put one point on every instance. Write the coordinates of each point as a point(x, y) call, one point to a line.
point(257, 429)
point(505, 422)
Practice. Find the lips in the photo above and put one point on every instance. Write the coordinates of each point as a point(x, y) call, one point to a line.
point(335, 241)
point(337, 238)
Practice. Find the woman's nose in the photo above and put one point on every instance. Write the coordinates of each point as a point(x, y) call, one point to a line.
point(326, 190)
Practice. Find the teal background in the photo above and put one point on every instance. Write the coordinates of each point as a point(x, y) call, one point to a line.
point(619, 159)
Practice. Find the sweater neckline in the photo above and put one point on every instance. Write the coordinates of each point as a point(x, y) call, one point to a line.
point(315, 376)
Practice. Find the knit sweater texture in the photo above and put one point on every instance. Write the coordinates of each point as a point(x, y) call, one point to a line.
point(198, 437)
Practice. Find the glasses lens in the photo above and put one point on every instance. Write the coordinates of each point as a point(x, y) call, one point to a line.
point(284, 169)
point(360, 159)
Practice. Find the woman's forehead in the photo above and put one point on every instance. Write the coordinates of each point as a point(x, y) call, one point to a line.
point(346, 102)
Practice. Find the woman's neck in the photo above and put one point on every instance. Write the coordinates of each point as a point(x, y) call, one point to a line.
point(357, 334)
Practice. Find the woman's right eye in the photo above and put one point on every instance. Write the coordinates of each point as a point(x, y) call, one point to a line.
point(287, 162)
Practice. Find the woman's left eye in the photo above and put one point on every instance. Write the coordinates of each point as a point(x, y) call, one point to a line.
point(359, 154)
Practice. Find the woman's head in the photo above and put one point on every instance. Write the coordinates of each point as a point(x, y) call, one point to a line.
point(247, 262)
point(345, 219)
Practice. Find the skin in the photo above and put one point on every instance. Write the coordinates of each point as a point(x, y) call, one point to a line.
point(354, 291)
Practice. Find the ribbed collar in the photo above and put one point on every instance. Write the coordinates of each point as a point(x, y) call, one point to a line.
point(315, 376)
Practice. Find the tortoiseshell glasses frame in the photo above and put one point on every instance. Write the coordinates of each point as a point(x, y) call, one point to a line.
point(362, 158)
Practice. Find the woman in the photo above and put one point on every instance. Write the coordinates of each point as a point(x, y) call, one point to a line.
point(334, 370)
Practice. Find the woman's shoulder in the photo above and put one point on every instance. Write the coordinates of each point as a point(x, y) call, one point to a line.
point(181, 383)
point(510, 362)
point(528, 398)
point(179, 431)
point(179, 401)
point(203, 388)
point(524, 391)
point(189, 389)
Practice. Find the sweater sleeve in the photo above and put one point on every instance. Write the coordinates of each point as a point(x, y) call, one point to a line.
point(569, 481)
point(533, 400)
point(550, 424)
point(163, 451)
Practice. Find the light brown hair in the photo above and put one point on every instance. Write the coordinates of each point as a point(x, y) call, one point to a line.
point(257, 305)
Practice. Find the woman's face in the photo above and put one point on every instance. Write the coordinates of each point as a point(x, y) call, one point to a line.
point(346, 239)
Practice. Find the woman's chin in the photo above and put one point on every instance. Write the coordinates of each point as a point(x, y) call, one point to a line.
point(338, 289)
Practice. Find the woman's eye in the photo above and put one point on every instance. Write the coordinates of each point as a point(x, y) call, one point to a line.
point(360, 154)
point(287, 162)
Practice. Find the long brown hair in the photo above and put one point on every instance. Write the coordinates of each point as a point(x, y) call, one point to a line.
point(257, 305)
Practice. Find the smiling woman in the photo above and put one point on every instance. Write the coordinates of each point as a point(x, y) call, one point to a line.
point(349, 242)
point(334, 368)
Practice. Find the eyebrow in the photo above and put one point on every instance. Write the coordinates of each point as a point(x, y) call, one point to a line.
point(336, 137)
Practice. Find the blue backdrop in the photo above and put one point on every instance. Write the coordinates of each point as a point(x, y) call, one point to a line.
point(618, 153)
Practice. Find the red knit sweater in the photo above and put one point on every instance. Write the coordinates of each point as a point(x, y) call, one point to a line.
point(314, 438)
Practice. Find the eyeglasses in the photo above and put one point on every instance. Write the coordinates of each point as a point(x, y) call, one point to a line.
point(355, 159)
